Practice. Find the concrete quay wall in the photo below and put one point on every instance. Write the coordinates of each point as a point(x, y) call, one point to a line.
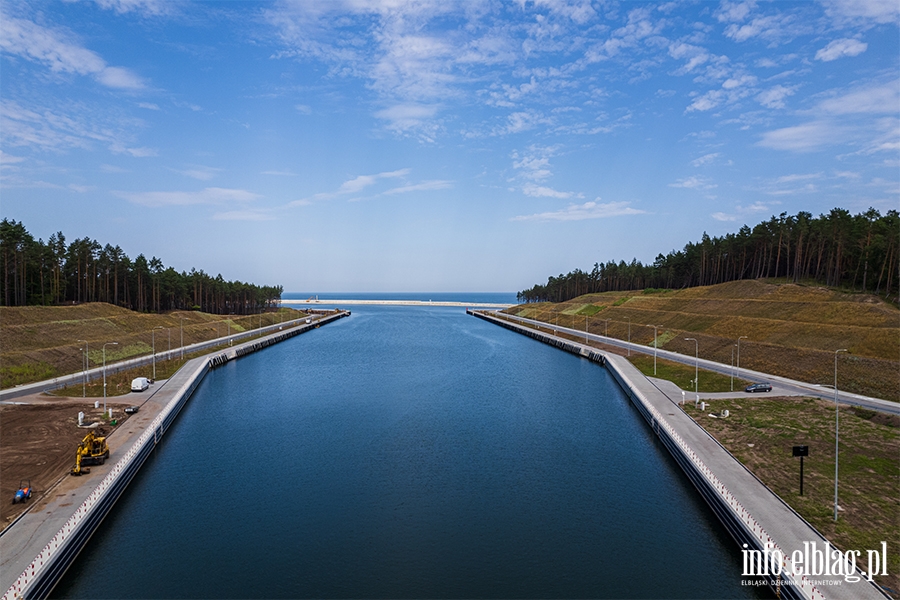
point(755, 517)
point(44, 572)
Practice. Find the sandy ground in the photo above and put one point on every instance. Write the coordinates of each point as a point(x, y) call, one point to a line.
point(38, 438)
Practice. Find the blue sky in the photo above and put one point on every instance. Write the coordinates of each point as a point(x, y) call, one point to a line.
point(396, 145)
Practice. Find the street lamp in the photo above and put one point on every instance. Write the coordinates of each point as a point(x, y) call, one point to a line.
point(181, 324)
point(153, 343)
point(629, 335)
point(607, 327)
point(585, 329)
point(696, 363)
point(836, 414)
point(739, 355)
point(654, 347)
point(732, 367)
point(84, 359)
point(104, 372)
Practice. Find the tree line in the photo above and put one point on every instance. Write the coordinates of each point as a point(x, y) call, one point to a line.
point(837, 249)
point(54, 272)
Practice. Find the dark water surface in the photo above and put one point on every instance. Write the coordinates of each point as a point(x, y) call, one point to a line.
point(409, 452)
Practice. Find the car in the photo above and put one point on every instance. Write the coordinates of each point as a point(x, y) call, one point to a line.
point(132, 409)
point(758, 387)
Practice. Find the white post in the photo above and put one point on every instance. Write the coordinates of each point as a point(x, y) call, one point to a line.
point(629, 335)
point(836, 419)
point(696, 364)
point(104, 372)
point(84, 359)
point(739, 355)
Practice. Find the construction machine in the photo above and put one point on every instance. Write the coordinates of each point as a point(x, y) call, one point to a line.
point(93, 449)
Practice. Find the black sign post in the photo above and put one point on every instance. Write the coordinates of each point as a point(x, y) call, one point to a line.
point(801, 451)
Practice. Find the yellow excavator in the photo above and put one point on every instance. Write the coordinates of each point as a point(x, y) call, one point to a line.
point(93, 449)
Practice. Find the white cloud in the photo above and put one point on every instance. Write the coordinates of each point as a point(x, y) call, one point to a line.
point(361, 182)
point(9, 159)
point(539, 191)
point(148, 105)
point(81, 189)
point(841, 48)
point(734, 12)
point(279, 173)
point(707, 101)
point(200, 172)
point(705, 159)
point(720, 216)
point(146, 7)
point(694, 183)
point(798, 177)
point(580, 212)
point(875, 99)
point(53, 49)
point(405, 118)
point(433, 184)
point(135, 152)
point(803, 138)
point(535, 163)
point(206, 196)
point(774, 96)
point(303, 109)
point(879, 11)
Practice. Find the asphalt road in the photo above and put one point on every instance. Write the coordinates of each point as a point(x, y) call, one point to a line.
point(781, 386)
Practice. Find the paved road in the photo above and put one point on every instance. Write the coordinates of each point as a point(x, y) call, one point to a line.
point(97, 372)
point(781, 386)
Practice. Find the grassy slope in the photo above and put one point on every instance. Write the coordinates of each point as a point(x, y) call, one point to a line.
point(760, 433)
point(792, 330)
point(39, 342)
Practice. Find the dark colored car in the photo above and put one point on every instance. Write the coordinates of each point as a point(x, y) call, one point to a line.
point(132, 409)
point(758, 387)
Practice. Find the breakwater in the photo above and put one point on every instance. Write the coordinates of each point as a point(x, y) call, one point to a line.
point(766, 529)
point(40, 576)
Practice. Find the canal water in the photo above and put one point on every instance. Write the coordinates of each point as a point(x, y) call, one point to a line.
point(409, 452)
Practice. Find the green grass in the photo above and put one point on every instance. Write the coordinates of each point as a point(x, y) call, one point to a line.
point(20, 374)
point(760, 432)
point(683, 375)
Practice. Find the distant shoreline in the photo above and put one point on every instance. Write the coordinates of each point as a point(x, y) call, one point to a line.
point(400, 303)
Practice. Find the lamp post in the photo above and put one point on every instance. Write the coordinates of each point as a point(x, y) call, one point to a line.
point(84, 359)
point(181, 325)
point(153, 344)
point(696, 363)
point(607, 327)
point(629, 335)
point(585, 329)
point(739, 355)
point(654, 347)
point(836, 415)
point(732, 367)
point(104, 372)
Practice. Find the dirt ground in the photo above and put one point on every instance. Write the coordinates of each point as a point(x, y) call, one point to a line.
point(38, 442)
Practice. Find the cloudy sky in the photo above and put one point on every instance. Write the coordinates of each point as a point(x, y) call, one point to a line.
point(408, 145)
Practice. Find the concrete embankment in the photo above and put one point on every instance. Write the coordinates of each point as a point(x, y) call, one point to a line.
point(40, 546)
point(774, 539)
